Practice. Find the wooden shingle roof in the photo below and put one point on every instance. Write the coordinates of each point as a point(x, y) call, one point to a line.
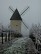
point(16, 16)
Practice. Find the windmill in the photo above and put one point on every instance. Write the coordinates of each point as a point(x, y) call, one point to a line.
point(16, 19)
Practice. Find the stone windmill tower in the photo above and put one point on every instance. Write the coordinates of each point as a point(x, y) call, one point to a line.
point(15, 21)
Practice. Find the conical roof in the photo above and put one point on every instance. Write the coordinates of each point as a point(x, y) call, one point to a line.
point(16, 16)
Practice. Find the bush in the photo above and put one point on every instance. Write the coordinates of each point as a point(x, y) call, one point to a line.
point(17, 35)
point(32, 37)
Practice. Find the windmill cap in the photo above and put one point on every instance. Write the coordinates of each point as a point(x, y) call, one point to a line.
point(16, 15)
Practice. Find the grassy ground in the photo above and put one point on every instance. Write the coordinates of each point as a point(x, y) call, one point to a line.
point(6, 44)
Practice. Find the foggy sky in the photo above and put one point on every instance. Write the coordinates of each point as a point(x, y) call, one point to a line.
point(32, 15)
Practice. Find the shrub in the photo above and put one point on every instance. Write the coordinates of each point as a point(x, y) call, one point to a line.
point(32, 37)
point(17, 35)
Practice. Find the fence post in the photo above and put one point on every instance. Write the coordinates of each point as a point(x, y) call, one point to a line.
point(6, 38)
point(9, 36)
point(2, 37)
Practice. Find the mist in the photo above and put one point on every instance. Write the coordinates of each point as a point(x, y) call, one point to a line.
point(31, 16)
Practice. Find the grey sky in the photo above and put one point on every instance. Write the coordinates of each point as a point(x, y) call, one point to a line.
point(33, 15)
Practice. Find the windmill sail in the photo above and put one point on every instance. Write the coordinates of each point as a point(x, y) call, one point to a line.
point(11, 8)
point(25, 24)
point(24, 11)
